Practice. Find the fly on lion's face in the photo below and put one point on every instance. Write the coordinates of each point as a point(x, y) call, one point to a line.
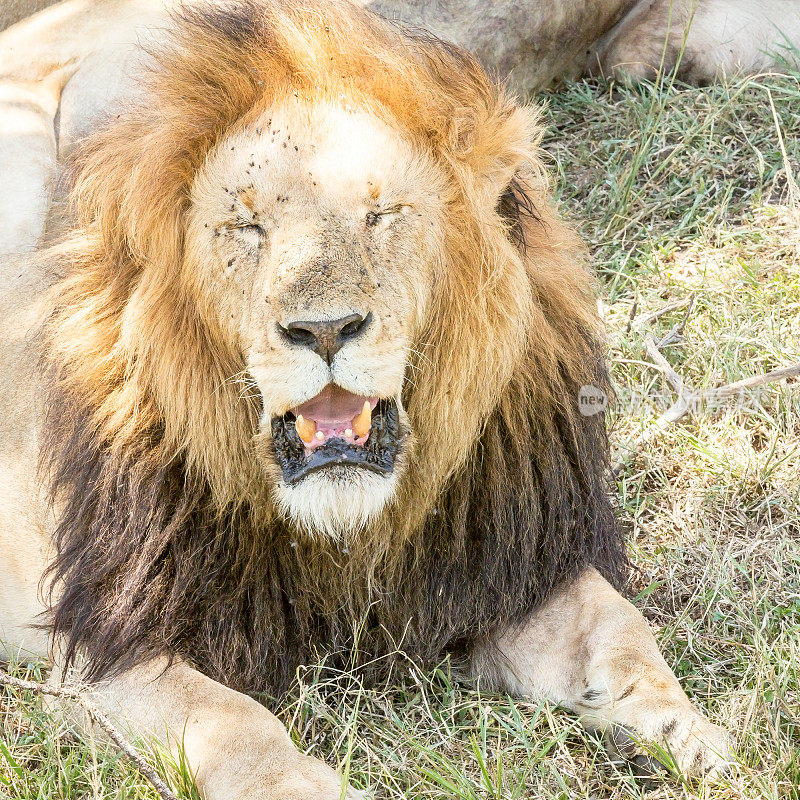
point(309, 253)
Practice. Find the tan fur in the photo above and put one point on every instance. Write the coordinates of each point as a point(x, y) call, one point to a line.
point(477, 147)
point(706, 40)
point(158, 313)
point(536, 45)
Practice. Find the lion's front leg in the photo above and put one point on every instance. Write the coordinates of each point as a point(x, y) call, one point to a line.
point(236, 748)
point(592, 652)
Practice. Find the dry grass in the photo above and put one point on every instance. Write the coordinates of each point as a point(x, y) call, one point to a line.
point(679, 193)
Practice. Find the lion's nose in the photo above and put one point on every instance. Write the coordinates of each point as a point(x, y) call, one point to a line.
point(325, 337)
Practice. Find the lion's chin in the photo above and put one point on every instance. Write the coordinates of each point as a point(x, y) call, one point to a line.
point(338, 501)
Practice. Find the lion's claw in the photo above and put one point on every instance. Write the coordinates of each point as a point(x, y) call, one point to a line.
point(697, 747)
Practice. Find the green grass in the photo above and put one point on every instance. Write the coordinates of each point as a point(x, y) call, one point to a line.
point(679, 194)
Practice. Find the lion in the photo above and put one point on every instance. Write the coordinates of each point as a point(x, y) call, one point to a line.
point(535, 45)
point(295, 370)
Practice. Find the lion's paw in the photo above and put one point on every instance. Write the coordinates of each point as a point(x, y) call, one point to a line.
point(695, 746)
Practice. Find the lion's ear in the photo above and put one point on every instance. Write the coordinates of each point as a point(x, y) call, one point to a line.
point(509, 175)
point(504, 145)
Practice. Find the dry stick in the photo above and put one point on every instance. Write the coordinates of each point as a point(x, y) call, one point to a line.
point(688, 399)
point(632, 316)
point(749, 383)
point(646, 319)
point(676, 334)
point(674, 380)
point(102, 720)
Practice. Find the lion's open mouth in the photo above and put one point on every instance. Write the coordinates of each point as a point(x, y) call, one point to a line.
point(337, 428)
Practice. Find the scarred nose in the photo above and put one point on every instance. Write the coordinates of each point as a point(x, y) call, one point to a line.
point(325, 337)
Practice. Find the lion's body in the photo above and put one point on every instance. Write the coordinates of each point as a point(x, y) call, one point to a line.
point(703, 42)
point(253, 173)
point(25, 524)
point(37, 65)
point(537, 44)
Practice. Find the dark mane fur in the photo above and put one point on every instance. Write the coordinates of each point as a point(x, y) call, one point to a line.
point(149, 568)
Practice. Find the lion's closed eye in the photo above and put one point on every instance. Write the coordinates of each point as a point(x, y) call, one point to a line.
point(249, 228)
point(384, 216)
point(250, 233)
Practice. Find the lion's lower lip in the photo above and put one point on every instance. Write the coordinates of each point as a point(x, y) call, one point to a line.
point(377, 454)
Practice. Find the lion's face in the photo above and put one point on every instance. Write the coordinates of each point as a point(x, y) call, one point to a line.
point(313, 244)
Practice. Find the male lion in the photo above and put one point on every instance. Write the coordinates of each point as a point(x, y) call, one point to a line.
point(302, 359)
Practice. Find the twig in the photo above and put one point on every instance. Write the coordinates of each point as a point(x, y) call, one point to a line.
point(102, 720)
point(674, 380)
point(749, 383)
point(688, 399)
point(645, 319)
point(676, 334)
point(675, 412)
point(632, 316)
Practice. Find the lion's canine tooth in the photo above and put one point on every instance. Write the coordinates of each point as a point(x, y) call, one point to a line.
point(305, 428)
point(348, 432)
point(362, 423)
point(320, 435)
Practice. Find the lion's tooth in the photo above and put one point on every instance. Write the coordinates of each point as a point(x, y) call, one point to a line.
point(305, 428)
point(363, 422)
point(348, 433)
point(320, 435)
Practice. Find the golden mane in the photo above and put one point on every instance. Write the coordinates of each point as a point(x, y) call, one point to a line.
point(151, 449)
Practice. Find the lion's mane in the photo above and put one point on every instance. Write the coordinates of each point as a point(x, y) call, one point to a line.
point(167, 540)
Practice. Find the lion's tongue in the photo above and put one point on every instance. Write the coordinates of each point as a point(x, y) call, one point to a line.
point(334, 412)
